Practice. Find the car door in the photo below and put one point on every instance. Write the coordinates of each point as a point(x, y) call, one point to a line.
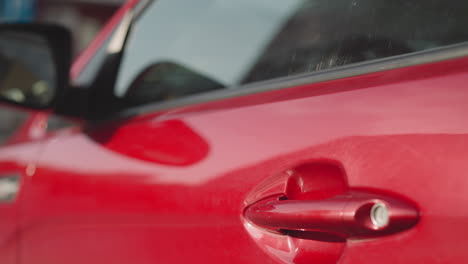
point(16, 165)
point(261, 132)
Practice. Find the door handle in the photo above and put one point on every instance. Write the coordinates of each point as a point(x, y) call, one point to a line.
point(347, 216)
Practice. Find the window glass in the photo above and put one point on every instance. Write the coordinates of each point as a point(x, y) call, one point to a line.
point(182, 47)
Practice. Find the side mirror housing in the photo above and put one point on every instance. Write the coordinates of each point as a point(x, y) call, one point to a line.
point(34, 64)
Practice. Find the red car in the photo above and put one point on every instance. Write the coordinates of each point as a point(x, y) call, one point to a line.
point(296, 131)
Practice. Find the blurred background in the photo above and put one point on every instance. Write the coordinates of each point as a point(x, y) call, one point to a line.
point(84, 18)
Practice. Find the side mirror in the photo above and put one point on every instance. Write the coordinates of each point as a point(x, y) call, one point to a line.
point(34, 64)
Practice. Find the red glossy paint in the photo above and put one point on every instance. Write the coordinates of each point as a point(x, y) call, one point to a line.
point(171, 142)
point(15, 161)
point(95, 199)
point(173, 186)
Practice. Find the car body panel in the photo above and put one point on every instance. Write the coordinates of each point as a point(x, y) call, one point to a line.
point(16, 161)
point(132, 191)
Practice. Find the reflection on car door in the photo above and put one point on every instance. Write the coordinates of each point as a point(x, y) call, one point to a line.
point(172, 187)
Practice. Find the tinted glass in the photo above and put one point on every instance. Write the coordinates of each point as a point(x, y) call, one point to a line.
point(183, 47)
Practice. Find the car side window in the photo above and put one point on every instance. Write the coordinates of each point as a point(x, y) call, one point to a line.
point(178, 48)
